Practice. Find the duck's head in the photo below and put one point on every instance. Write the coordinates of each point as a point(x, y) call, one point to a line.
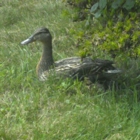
point(43, 35)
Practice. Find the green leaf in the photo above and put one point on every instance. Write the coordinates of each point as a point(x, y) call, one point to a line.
point(98, 14)
point(129, 4)
point(102, 4)
point(94, 7)
point(116, 4)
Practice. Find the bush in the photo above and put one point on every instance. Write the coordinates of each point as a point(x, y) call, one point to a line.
point(117, 26)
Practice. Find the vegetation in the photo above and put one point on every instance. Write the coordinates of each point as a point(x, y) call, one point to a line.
point(111, 34)
point(62, 109)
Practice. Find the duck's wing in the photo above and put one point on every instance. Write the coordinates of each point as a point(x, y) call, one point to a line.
point(72, 60)
point(69, 60)
point(67, 67)
point(95, 68)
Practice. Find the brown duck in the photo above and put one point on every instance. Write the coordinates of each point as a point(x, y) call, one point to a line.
point(72, 67)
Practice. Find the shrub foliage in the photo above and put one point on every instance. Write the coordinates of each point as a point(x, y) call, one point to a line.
point(117, 26)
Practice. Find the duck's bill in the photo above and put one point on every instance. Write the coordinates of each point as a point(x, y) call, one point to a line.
point(27, 41)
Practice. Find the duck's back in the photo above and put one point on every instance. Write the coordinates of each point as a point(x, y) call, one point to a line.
point(72, 60)
point(76, 68)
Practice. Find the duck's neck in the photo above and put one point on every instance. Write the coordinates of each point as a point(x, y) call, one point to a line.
point(46, 60)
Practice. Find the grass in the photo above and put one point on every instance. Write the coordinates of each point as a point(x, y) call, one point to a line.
point(34, 110)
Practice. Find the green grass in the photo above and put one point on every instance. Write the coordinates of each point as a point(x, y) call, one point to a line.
point(34, 110)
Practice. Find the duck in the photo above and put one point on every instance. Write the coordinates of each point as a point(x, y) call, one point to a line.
point(71, 67)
